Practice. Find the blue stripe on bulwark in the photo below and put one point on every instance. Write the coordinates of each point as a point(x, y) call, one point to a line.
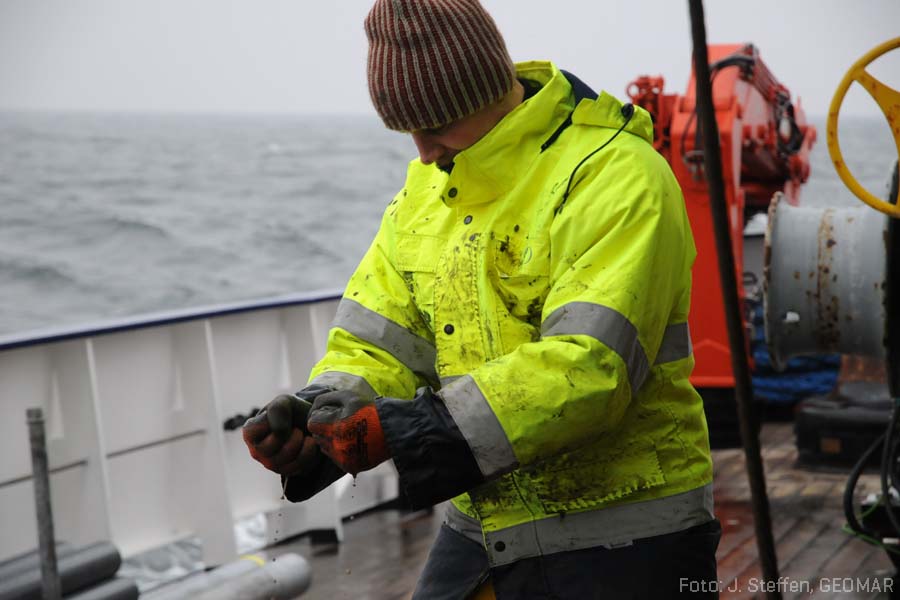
point(162, 319)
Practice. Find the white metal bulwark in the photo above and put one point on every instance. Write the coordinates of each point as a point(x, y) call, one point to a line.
point(135, 412)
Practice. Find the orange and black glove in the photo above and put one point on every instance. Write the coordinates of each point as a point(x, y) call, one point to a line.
point(348, 430)
point(432, 456)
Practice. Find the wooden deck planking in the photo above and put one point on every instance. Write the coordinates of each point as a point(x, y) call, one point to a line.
point(383, 552)
point(789, 546)
point(845, 562)
point(379, 559)
point(807, 515)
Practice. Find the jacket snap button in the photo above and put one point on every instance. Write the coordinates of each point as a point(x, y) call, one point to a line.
point(452, 192)
point(448, 329)
point(499, 546)
point(467, 220)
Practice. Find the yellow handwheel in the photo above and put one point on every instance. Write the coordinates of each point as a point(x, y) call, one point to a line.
point(888, 100)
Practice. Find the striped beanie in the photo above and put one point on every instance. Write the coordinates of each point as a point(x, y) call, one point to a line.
point(432, 62)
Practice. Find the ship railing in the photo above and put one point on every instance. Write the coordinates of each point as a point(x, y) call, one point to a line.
point(135, 409)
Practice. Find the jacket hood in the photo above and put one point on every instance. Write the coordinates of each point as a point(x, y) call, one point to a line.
point(606, 111)
point(493, 164)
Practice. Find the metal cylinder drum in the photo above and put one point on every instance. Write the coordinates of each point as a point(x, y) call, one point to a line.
point(826, 272)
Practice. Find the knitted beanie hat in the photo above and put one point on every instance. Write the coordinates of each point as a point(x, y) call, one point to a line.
point(432, 62)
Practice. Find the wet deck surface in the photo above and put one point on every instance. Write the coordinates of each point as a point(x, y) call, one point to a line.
point(383, 552)
point(807, 517)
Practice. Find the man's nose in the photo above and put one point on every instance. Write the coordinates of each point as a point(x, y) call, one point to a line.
point(429, 150)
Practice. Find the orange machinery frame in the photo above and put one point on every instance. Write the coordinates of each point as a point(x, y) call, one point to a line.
point(765, 143)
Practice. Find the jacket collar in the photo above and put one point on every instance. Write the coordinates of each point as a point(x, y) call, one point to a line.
point(495, 163)
point(492, 165)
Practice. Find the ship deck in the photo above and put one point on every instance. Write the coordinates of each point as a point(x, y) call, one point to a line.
point(383, 551)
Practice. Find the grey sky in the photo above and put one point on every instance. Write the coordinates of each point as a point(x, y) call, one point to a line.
point(298, 56)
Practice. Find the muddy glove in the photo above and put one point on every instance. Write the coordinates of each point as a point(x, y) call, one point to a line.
point(277, 437)
point(432, 456)
point(347, 429)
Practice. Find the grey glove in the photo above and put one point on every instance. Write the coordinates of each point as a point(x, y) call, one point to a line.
point(278, 438)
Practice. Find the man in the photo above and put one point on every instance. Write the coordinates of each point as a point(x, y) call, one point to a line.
point(516, 336)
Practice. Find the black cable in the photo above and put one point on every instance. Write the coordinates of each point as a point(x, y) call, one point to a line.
point(850, 488)
point(888, 456)
point(739, 59)
point(627, 112)
point(715, 68)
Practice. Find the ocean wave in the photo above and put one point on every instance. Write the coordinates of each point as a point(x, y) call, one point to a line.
point(31, 270)
point(105, 140)
point(285, 239)
point(116, 182)
point(199, 210)
point(127, 226)
point(330, 190)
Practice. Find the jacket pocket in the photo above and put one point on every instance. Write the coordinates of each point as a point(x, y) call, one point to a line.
point(417, 257)
point(519, 272)
point(595, 477)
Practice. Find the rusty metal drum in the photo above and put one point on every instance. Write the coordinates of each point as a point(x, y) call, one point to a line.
point(825, 281)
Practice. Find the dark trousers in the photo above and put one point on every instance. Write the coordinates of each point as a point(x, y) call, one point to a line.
point(675, 565)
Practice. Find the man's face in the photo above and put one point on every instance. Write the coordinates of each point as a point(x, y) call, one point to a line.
point(441, 145)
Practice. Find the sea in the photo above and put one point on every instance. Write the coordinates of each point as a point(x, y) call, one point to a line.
point(106, 215)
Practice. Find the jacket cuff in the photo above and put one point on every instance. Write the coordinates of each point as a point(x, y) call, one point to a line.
point(305, 486)
point(432, 457)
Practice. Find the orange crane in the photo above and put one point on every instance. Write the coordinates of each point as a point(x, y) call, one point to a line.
point(765, 142)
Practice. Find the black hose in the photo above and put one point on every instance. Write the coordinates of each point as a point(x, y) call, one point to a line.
point(893, 292)
point(733, 60)
point(888, 456)
point(850, 488)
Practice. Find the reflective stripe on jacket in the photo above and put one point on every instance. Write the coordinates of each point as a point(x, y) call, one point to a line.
point(556, 331)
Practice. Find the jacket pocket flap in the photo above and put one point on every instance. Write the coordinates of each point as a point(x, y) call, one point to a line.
point(418, 252)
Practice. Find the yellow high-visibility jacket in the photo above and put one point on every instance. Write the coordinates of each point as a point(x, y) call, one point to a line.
point(553, 326)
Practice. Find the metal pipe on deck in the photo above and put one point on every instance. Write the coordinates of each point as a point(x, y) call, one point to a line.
point(77, 571)
point(196, 583)
point(283, 578)
point(114, 589)
point(50, 583)
point(31, 560)
point(743, 391)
